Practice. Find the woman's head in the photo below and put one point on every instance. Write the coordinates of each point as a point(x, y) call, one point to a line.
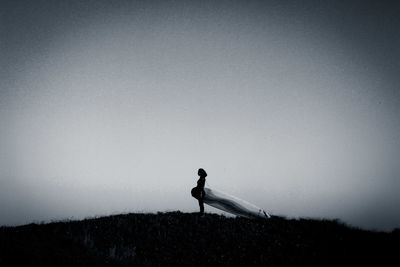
point(202, 173)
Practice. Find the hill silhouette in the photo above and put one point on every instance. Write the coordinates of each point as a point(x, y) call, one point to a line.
point(176, 239)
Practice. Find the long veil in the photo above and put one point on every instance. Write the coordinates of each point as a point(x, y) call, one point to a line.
point(231, 204)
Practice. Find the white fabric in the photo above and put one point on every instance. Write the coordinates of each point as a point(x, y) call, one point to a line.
point(232, 204)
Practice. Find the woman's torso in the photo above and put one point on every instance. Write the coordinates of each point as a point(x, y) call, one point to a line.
point(201, 182)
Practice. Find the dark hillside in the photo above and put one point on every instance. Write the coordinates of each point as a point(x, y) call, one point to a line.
point(177, 238)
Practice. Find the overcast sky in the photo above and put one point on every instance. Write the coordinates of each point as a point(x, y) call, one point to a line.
point(112, 106)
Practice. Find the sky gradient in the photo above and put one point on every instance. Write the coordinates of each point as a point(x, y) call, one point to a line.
point(112, 106)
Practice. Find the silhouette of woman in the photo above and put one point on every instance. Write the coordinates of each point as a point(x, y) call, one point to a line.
point(198, 191)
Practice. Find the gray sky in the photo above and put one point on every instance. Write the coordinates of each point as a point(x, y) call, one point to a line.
point(112, 106)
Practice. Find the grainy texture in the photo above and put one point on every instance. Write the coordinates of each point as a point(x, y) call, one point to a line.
point(177, 238)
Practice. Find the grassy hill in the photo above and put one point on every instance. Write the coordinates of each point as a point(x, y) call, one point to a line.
point(176, 238)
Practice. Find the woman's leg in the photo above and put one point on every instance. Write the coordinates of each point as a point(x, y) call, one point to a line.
point(201, 201)
point(201, 204)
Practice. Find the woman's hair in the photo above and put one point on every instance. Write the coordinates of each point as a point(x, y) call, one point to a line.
point(202, 172)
